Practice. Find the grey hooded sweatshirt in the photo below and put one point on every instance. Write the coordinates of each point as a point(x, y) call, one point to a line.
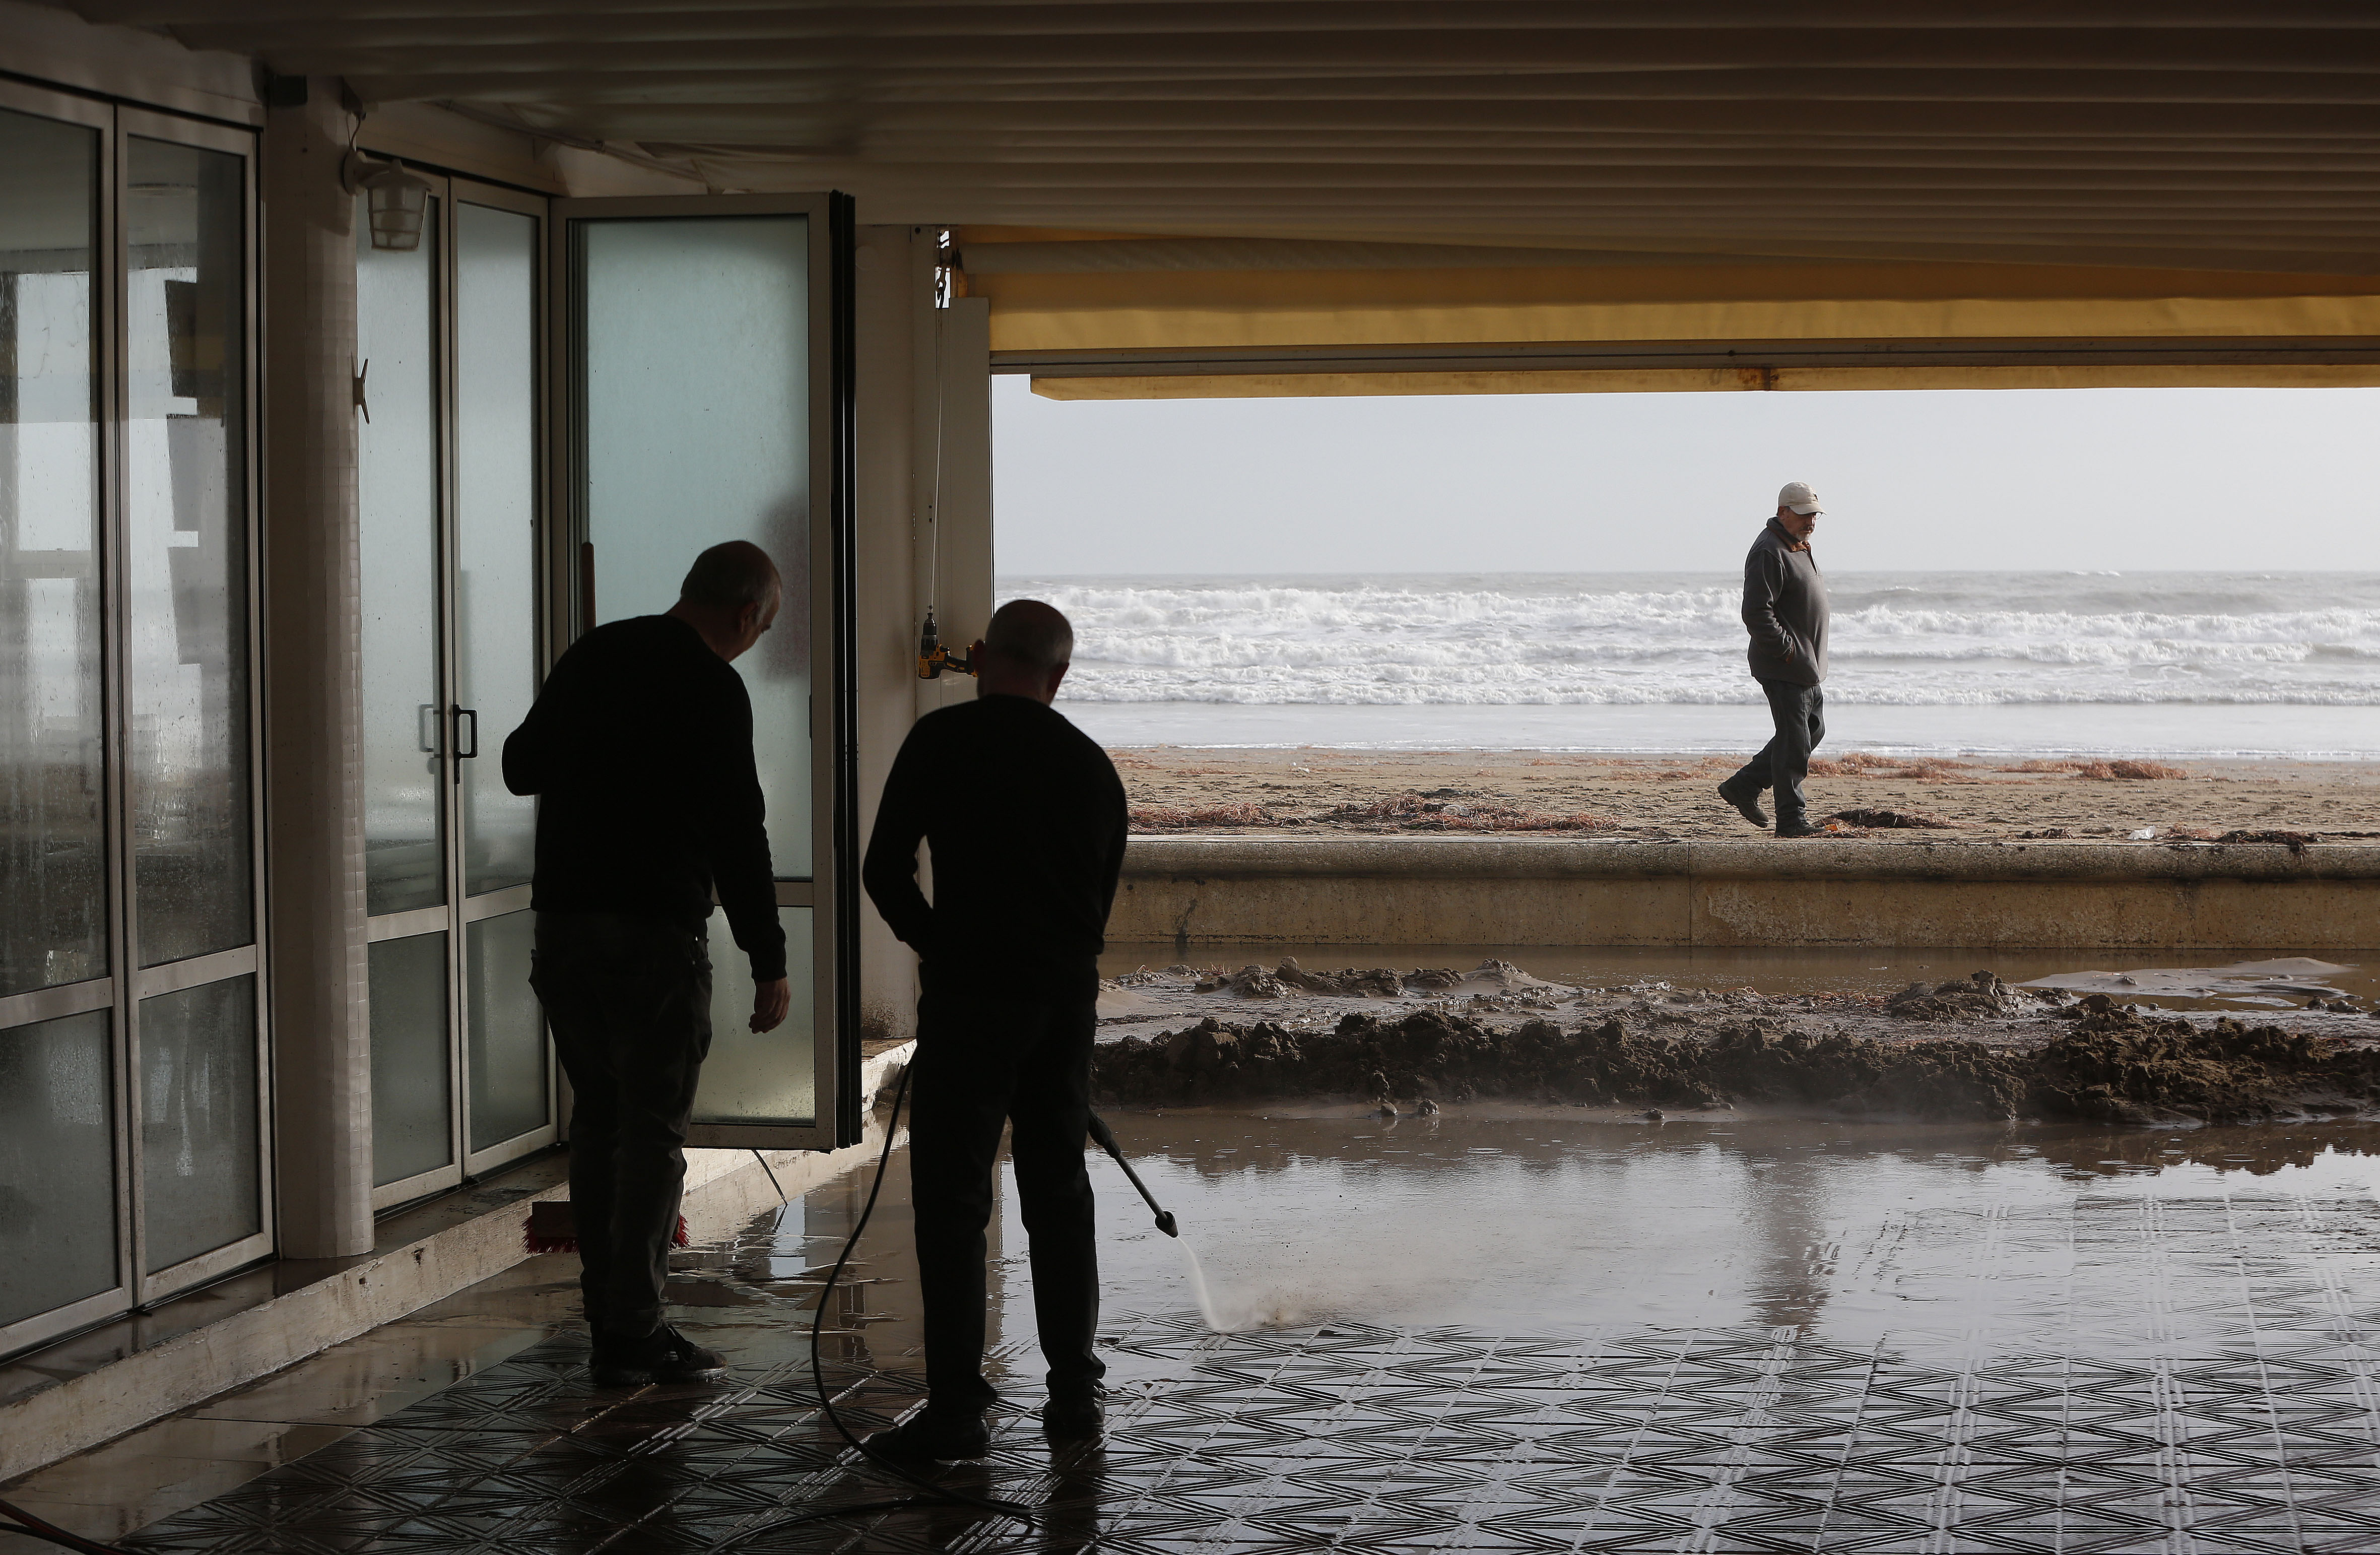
point(1785, 609)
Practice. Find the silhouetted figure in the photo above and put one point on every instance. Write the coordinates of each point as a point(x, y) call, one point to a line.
point(641, 750)
point(1785, 611)
point(1025, 816)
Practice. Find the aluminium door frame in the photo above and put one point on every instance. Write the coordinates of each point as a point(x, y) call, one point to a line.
point(137, 982)
point(488, 743)
point(441, 917)
point(454, 916)
point(110, 989)
point(834, 873)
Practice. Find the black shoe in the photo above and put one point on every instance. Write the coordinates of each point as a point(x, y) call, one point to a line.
point(1791, 828)
point(1748, 808)
point(1073, 1416)
point(664, 1356)
point(934, 1434)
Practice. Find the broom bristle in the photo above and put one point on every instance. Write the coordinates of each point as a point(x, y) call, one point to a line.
point(551, 1228)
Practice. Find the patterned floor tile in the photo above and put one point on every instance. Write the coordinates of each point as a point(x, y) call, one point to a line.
point(2110, 1370)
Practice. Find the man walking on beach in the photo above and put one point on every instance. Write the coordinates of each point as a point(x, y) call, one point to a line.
point(1026, 818)
point(640, 746)
point(1785, 611)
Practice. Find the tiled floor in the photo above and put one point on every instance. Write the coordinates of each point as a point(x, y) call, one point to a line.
point(1914, 1340)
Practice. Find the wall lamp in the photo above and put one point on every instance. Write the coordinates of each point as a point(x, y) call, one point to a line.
point(397, 199)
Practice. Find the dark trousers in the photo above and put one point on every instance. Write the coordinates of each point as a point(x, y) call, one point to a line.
point(628, 1000)
point(983, 1060)
point(1799, 716)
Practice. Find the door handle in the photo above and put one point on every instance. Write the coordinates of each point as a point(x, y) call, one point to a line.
point(462, 754)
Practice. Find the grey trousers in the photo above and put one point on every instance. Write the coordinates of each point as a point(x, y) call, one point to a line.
point(1799, 713)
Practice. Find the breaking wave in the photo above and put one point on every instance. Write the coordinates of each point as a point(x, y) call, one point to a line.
point(1909, 639)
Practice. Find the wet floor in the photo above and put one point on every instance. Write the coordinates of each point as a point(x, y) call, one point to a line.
point(1500, 1330)
point(1767, 969)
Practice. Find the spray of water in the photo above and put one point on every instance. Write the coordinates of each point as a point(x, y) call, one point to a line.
point(1237, 1311)
point(1207, 1308)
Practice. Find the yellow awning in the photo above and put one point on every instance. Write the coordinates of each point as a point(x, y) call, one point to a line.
point(1143, 318)
point(1308, 385)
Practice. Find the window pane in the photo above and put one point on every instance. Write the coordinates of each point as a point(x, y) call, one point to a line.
point(397, 486)
point(697, 383)
point(770, 1079)
point(186, 504)
point(412, 1117)
point(52, 842)
point(495, 469)
point(507, 1044)
point(199, 1141)
point(58, 1165)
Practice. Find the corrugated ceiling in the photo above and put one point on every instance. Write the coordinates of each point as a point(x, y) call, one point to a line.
point(2242, 136)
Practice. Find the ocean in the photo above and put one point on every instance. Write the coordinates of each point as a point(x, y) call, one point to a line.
point(2148, 663)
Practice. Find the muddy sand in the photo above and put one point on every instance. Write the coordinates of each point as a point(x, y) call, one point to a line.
point(1325, 792)
point(1424, 1040)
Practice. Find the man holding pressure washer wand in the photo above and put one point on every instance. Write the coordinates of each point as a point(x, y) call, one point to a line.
point(1026, 819)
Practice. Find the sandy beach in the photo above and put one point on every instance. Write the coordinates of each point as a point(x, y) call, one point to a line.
point(1178, 789)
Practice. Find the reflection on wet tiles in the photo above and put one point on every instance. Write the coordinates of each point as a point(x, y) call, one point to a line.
point(1521, 1332)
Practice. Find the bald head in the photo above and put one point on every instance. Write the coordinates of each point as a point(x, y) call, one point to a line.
point(1025, 651)
point(731, 576)
point(1032, 635)
point(730, 596)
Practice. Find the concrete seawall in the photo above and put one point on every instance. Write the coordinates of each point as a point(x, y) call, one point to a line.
point(1472, 891)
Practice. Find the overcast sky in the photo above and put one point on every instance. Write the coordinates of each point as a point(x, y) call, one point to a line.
point(2123, 478)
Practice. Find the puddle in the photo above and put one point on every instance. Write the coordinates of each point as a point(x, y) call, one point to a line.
point(1535, 1222)
point(2283, 982)
point(1929, 1239)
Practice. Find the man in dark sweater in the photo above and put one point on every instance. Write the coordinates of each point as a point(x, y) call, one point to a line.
point(640, 749)
point(1026, 818)
point(1785, 611)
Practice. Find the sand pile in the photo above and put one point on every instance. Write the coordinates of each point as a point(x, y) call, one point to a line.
point(1980, 997)
point(2114, 1066)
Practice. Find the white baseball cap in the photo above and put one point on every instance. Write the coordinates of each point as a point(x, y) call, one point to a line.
point(1798, 496)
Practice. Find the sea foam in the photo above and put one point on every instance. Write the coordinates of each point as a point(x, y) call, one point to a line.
point(1898, 639)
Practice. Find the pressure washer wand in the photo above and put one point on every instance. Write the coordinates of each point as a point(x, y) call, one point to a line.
point(1107, 1141)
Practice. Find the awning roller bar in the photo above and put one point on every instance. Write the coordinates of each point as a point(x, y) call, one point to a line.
point(1639, 354)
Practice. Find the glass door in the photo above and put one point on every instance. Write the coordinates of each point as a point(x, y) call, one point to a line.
point(185, 588)
point(134, 1117)
point(64, 1243)
point(705, 402)
point(449, 397)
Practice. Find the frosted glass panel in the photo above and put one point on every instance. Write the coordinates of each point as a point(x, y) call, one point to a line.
point(507, 1036)
point(199, 1168)
point(495, 466)
point(57, 1163)
point(697, 415)
point(397, 487)
point(186, 561)
point(413, 1124)
point(770, 1079)
point(52, 842)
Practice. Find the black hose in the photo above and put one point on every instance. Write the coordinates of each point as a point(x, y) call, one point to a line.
point(932, 1493)
point(19, 1521)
